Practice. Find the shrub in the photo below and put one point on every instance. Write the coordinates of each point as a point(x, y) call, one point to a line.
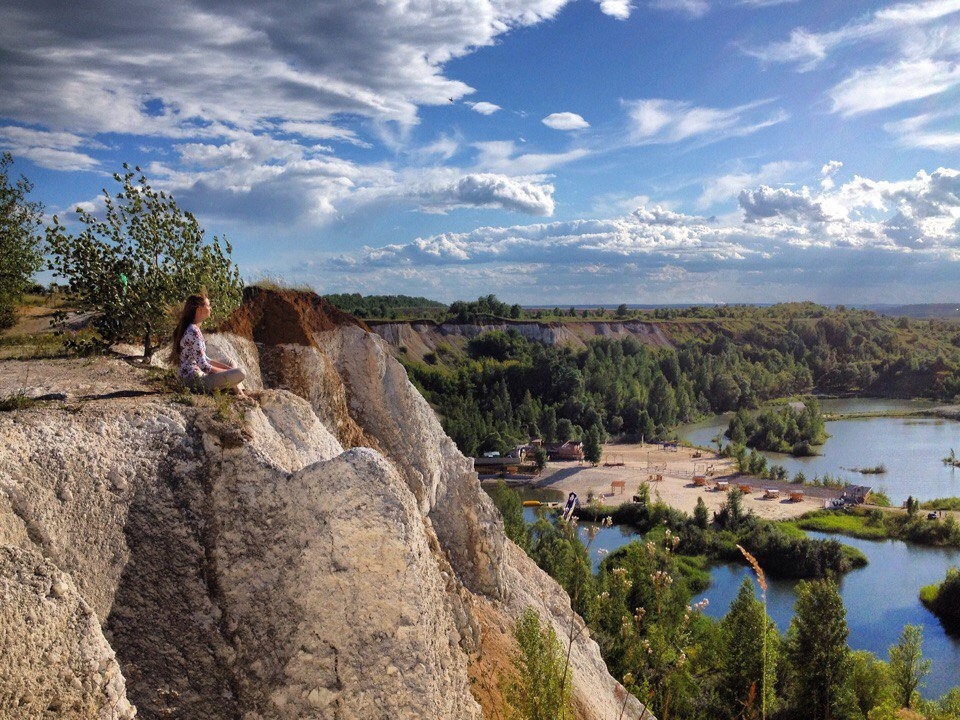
point(537, 690)
point(140, 261)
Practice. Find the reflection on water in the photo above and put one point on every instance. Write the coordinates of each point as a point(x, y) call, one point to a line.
point(911, 448)
point(880, 599)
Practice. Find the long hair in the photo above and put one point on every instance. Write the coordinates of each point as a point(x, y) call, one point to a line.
point(187, 316)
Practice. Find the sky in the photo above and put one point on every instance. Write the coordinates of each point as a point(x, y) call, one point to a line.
point(548, 151)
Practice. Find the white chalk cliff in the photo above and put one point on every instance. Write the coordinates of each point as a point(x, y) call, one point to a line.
point(320, 551)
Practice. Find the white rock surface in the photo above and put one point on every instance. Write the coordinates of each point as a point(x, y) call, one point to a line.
point(321, 551)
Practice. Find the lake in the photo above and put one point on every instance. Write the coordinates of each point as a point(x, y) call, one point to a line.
point(911, 448)
point(880, 598)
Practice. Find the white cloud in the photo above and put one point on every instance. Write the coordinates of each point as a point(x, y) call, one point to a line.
point(565, 121)
point(722, 188)
point(693, 8)
point(668, 121)
point(502, 156)
point(884, 24)
point(323, 131)
point(67, 66)
point(827, 172)
point(494, 191)
point(484, 108)
point(884, 86)
point(916, 132)
point(620, 9)
point(861, 230)
point(52, 150)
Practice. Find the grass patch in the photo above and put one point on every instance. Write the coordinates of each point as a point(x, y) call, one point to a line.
point(928, 594)
point(17, 401)
point(32, 347)
point(841, 523)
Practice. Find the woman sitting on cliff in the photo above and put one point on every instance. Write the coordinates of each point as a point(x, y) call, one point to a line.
point(189, 352)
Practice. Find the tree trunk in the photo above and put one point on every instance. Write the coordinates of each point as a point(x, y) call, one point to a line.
point(147, 344)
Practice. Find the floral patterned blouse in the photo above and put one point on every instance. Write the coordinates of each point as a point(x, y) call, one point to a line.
point(193, 354)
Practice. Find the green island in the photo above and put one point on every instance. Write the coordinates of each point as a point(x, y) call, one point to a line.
point(943, 599)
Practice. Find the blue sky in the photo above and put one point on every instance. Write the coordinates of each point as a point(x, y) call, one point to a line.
point(548, 151)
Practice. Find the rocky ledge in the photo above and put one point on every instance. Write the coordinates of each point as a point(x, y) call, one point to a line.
point(321, 550)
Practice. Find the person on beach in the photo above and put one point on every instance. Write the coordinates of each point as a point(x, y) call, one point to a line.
point(189, 352)
point(572, 502)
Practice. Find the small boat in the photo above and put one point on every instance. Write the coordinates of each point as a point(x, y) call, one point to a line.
point(532, 503)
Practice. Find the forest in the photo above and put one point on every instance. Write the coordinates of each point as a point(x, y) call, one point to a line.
point(502, 388)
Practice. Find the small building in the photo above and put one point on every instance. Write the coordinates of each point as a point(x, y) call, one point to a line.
point(855, 494)
point(569, 450)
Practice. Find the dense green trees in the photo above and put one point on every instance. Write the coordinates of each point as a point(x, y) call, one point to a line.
point(20, 221)
point(943, 598)
point(785, 429)
point(624, 387)
point(385, 306)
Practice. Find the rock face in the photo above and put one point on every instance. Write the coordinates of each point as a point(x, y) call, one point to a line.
point(422, 337)
point(320, 551)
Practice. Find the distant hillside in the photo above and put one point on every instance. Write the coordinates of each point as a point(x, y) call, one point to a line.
point(385, 306)
point(949, 311)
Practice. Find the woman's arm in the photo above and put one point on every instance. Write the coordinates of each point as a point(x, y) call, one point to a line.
point(220, 366)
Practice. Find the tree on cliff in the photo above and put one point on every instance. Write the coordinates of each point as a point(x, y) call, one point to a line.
point(139, 260)
point(536, 690)
point(20, 220)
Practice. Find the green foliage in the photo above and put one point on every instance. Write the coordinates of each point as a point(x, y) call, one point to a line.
point(870, 683)
point(817, 651)
point(511, 509)
point(701, 516)
point(385, 306)
point(907, 666)
point(592, 446)
point(20, 256)
point(537, 690)
point(943, 599)
point(140, 260)
point(783, 429)
point(951, 503)
point(742, 672)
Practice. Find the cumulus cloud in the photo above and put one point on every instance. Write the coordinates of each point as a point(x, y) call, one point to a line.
point(620, 9)
point(484, 108)
point(142, 68)
point(725, 187)
point(827, 172)
point(863, 223)
point(656, 120)
point(565, 121)
point(491, 190)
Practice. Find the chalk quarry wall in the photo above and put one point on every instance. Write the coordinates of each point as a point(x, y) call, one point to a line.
point(321, 551)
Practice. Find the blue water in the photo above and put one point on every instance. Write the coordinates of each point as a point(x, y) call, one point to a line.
point(880, 599)
point(911, 448)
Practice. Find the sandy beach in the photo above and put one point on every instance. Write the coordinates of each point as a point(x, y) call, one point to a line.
point(676, 489)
